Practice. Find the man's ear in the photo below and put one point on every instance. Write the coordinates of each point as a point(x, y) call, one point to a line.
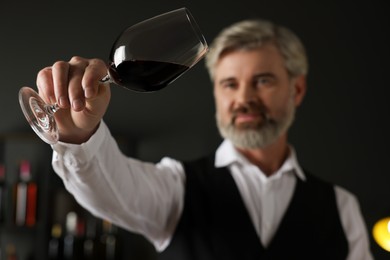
point(300, 89)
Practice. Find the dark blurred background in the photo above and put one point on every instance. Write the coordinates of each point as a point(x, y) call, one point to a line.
point(340, 134)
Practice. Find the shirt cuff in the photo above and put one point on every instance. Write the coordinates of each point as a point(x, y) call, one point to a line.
point(78, 154)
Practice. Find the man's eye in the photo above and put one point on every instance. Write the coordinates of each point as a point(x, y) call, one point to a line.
point(229, 85)
point(263, 81)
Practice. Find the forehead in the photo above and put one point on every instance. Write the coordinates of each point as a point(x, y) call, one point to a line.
point(266, 58)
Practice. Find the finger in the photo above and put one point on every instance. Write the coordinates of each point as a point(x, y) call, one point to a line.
point(75, 90)
point(45, 85)
point(95, 71)
point(60, 71)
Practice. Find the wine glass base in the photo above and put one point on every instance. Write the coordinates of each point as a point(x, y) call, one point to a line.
point(36, 112)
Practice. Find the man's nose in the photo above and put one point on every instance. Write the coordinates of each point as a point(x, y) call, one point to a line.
point(246, 94)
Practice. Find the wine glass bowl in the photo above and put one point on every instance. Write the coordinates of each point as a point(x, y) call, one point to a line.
point(145, 57)
point(153, 53)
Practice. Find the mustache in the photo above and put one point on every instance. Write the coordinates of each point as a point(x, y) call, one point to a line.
point(258, 110)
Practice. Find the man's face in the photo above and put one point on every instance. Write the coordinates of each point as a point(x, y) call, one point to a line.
point(255, 96)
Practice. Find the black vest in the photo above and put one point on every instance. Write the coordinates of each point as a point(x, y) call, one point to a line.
point(216, 225)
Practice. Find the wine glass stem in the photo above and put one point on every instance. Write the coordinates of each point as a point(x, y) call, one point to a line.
point(106, 79)
point(51, 109)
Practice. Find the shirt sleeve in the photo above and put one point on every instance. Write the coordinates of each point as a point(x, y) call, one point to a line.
point(142, 197)
point(354, 225)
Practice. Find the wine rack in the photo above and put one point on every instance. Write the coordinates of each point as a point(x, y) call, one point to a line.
point(60, 228)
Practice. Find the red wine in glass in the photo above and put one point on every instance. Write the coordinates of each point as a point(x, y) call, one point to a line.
point(145, 57)
point(144, 75)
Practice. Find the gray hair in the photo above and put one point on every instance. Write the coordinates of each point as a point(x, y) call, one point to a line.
point(250, 34)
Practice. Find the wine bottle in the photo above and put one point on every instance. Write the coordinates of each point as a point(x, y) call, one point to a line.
point(26, 197)
point(55, 243)
point(109, 239)
point(74, 237)
point(90, 246)
point(69, 238)
point(20, 200)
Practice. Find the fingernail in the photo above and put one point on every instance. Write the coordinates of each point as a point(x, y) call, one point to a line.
point(63, 102)
point(88, 92)
point(77, 104)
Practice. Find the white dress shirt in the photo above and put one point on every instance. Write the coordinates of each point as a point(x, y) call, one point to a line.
point(147, 198)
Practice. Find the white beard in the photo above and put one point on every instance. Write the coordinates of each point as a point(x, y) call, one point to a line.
point(260, 136)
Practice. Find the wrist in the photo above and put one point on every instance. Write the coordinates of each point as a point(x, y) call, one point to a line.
point(78, 136)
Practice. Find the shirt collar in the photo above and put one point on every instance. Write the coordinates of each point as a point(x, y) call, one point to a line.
point(227, 154)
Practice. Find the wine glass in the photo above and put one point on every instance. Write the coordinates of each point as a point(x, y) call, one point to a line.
point(145, 57)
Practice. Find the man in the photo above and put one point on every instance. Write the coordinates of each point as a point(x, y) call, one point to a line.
point(250, 200)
